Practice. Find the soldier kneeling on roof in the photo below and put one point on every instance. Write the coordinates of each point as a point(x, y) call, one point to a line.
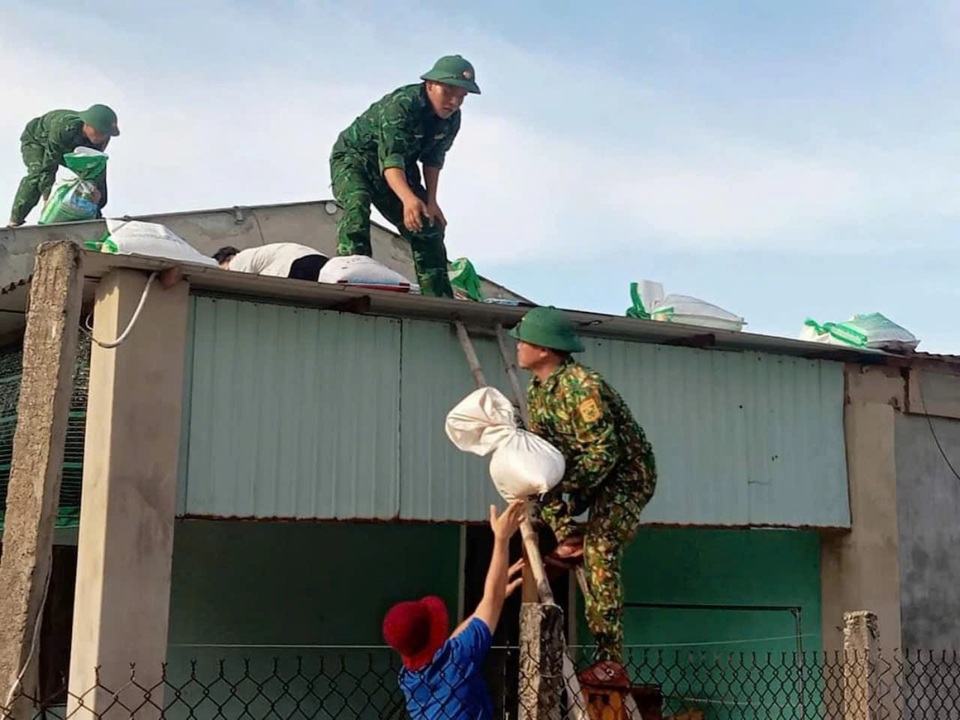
point(611, 471)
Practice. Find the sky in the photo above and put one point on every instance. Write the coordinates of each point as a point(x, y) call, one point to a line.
point(781, 160)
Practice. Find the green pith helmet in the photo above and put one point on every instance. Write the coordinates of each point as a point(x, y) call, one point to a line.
point(454, 70)
point(547, 327)
point(102, 119)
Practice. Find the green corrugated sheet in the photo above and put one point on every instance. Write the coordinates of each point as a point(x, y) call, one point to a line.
point(11, 365)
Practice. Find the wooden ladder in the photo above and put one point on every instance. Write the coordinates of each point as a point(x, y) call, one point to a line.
point(576, 697)
point(578, 710)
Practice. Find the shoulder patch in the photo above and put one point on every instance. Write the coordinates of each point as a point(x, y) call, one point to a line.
point(589, 410)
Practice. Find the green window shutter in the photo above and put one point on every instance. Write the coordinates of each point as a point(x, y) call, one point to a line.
point(11, 364)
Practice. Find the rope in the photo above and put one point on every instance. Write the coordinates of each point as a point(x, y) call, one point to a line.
point(133, 320)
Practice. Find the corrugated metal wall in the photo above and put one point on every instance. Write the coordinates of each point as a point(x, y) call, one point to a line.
point(313, 414)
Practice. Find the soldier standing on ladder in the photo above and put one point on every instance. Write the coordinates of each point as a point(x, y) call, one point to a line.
point(611, 471)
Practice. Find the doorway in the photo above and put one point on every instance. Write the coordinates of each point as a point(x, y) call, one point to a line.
point(503, 663)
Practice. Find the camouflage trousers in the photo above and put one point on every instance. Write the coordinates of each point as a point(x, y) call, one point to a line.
point(356, 189)
point(612, 524)
point(29, 191)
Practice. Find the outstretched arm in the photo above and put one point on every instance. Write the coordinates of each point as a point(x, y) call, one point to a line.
point(498, 585)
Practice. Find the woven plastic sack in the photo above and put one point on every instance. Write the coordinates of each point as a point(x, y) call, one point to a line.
point(135, 237)
point(465, 281)
point(650, 303)
point(75, 196)
point(360, 270)
point(521, 463)
point(872, 331)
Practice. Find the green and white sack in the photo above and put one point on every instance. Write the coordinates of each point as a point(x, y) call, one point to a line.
point(872, 331)
point(75, 196)
point(650, 303)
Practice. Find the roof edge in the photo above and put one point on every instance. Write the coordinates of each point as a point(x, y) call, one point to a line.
point(210, 280)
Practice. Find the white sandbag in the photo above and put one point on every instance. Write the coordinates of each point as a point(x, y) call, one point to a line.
point(359, 270)
point(521, 464)
point(134, 237)
point(872, 331)
point(650, 303)
point(693, 311)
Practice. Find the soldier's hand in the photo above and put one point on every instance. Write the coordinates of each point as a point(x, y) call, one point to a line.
point(413, 211)
point(436, 214)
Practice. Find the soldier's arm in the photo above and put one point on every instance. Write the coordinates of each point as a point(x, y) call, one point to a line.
point(558, 515)
point(59, 143)
point(393, 138)
point(435, 156)
point(393, 134)
point(596, 444)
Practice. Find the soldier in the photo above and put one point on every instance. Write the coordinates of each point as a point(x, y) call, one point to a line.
point(375, 161)
point(44, 142)
point(611, 471)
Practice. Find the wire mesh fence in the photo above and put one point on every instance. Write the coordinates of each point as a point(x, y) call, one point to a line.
point(335, 683)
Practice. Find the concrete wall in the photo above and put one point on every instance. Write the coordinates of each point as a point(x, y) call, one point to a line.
point(928, 501)
point(860, 569)
point(313, 224)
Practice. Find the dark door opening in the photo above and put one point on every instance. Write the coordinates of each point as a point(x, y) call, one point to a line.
point(503, 664)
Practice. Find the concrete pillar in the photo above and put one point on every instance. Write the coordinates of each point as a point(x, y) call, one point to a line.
point(860, 568)
point(49, 358)
point(541, 661)
point(125, 542)
point(860, 666)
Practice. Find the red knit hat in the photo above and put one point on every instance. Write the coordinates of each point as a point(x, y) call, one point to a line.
point(416, 629)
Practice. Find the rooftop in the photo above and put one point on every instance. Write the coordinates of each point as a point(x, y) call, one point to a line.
point(212, 280)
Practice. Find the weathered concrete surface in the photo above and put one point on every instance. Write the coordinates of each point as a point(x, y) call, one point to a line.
point(928, 498)
point(50, 345)
point(860, 569)
point(125, 549)
point(541, 662)
point(313, 224)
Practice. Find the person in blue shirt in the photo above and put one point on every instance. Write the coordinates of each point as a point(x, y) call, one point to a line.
point(442, 677)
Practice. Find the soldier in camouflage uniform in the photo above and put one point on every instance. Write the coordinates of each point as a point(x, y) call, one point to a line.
point(44, 142)
point(611, 470)
point(375, 161)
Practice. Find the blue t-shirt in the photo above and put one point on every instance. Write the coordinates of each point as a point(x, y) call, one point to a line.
point(452, 686)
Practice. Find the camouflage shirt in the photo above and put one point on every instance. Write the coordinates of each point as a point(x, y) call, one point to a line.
point(399, 130)
point(577, 411)
point(44, 142)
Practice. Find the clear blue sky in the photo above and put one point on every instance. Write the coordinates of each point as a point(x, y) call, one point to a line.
point(782, 160)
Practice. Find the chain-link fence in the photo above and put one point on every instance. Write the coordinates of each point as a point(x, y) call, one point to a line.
point(682, 686)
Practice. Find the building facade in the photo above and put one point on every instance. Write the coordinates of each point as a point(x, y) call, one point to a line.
point(265, 471)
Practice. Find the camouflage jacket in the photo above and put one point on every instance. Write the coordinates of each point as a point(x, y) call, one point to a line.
point(577, 411)
point(397, 131)
point(44, 142)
